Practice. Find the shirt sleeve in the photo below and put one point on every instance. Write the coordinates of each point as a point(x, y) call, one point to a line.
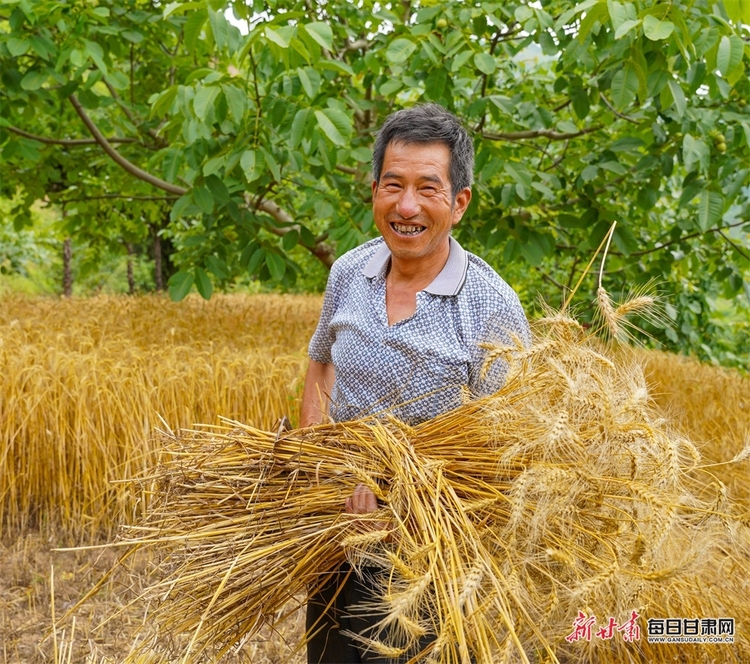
point(322, 340)
point(505, 327)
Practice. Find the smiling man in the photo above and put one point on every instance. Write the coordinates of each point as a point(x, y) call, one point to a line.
point(402, 322)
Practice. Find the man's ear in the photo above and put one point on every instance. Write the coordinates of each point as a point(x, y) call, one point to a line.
point(463, 198)
point(374, 188)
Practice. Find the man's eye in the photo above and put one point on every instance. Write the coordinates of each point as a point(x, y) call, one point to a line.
point(429, 190)
point(392, 186)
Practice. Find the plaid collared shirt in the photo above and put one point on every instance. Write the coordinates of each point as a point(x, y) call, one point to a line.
point(420, 366)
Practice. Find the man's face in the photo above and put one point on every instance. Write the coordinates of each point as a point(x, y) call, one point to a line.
point(412, 205)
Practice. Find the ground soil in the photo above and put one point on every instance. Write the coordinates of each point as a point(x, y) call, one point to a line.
point(104, 628)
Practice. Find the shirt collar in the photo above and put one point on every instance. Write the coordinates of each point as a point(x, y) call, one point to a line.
point(450, 281)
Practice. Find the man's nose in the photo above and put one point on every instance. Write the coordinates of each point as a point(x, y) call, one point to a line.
point(408, 205)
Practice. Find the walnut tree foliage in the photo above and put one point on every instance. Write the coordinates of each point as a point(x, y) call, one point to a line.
point(247, 142)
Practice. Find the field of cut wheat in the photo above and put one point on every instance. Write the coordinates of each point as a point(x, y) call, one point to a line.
point(89, 388)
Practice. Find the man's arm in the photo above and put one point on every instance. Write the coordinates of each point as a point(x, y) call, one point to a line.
point(318, 384)
point(315, 402)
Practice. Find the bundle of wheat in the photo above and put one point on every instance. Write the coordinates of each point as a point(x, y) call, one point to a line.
point(510, 528)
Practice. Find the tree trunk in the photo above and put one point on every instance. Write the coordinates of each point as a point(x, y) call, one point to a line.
point(131, 279)
point(158, 272)
point(67, 267)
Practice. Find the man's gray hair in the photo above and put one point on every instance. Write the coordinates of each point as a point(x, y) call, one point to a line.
point(428, 123)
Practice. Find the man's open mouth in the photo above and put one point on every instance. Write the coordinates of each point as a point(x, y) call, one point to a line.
point(407, 229)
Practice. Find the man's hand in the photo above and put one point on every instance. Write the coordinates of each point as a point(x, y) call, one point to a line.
point(362, 501)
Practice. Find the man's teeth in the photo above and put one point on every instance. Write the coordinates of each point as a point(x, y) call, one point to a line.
point(408, 229)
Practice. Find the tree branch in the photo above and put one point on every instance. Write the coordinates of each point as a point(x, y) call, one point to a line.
point(617, 113)
point(347, 169)
point(552, 281)
point(119, 159)
point(322, 250)
point(538, 133)
point(67, 142)
point(741, 252)
point(683, 238)
point(356, 45)
point(131, 116)
point(116, 196)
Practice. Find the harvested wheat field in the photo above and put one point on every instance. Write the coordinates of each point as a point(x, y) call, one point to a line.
point(588, 484)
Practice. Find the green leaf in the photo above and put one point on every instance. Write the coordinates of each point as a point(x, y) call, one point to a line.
point(695, 152)
point(729, 54)
point(172, 163)
point(589, 173)
point(34, 80)
point(203, 199)
point(625, 27)
point(118, 80)
point(624, 86)
point(199, 74)
point(678, 97)
point(738, 10)
point(485, 63)
point(310, 80)
point(43, 46)
point(217, 188)
point(182, 204)
point(276, 265)
point(390, 86)
point(193, 27)
point(276, 37)
point(710, 207)
point(178, 8)
point(321, 33)
point(399, 50)
point(217, 266)
point(620, 12)
point(96, 53)
point(298, 127)
point(273, 165)
point(290, 240)
point(236, 101)
point(203, 100)
point(335, 124)
point(256, 259)
point(163, 102)
point(18, 46)
point(133, 36)
point(219, 27)
point(362, 154)
point(203, 283)
point(252, 163)
point(596, 14)
point(194, 240)
point(180, 284)
point(213, 166)
point(657, 29)
point(335, 65)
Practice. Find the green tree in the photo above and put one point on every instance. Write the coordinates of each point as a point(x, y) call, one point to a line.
point(258, 139)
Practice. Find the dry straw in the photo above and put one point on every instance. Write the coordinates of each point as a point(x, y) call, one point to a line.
point(564, 492)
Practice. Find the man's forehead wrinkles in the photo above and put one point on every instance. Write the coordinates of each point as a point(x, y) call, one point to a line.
point(397, 176)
